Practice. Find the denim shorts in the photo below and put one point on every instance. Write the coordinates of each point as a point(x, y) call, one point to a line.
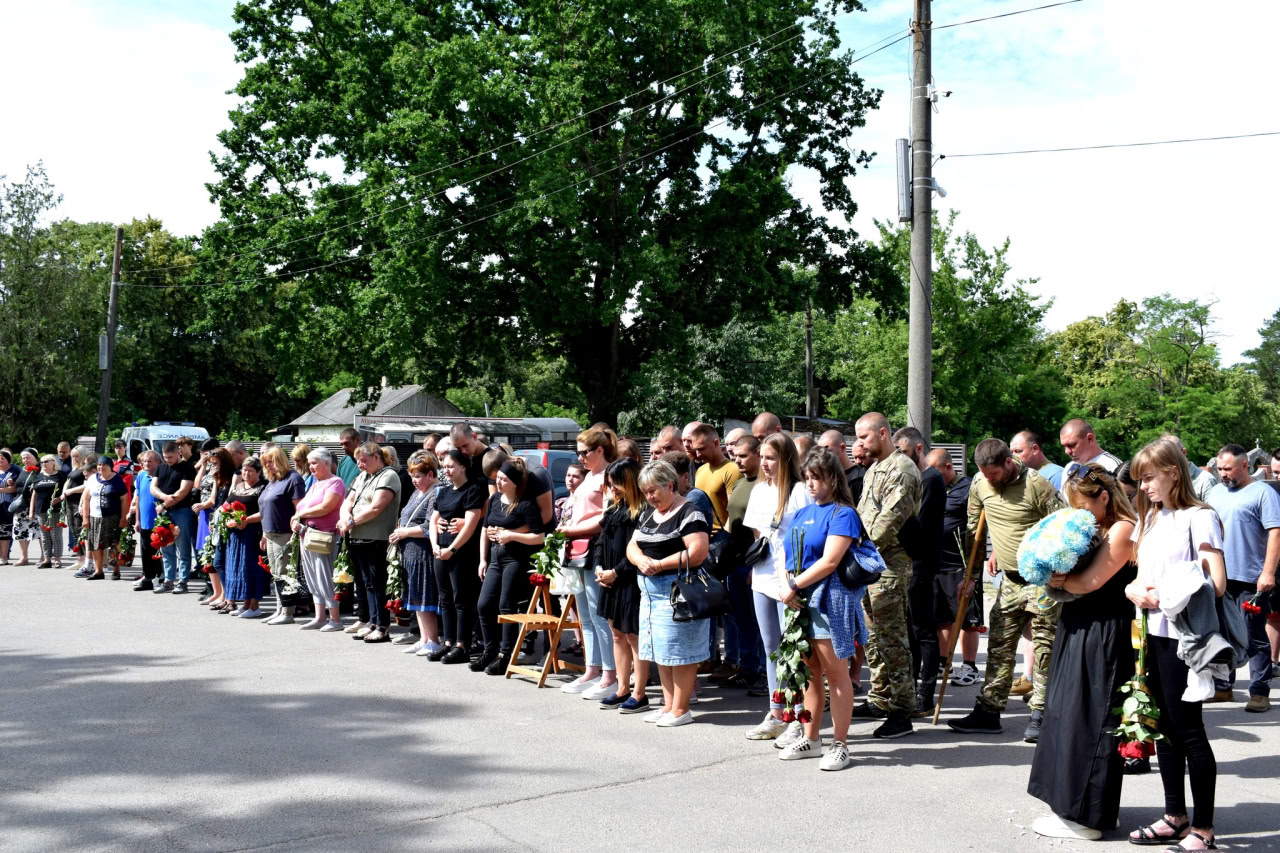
point(663, 640)
point(819, 628)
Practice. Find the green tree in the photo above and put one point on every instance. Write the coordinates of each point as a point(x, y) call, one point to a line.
point(1264, 359)
point(49, 294)
point(609, 239)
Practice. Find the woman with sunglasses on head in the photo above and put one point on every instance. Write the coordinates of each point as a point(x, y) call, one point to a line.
point(620, 596)
point(1175, 531)
point(1077, 770)
point(596, 449)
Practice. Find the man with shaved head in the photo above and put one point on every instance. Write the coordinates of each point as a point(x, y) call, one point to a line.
point(1027, 447)
point(668, 440)
point(765, 425)
point(1082, 446)
point(833, 440)
point(891, 495)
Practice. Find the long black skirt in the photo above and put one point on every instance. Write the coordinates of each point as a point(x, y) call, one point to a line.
point(1077, 770)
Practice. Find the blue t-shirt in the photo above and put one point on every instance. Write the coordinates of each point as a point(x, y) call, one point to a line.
point(1247, 514)
point(1052, 473)
point(278, 500)
point(146, 503)
point(817, 522)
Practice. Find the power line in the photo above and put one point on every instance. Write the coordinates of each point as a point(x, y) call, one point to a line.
point(1115, 145)
point(621, 164)
point(1002, 15)
point(153, 271)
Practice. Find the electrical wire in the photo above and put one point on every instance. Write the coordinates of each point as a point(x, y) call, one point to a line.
point(623, 162)
point(161, 270)
point(1002, 15)
point(1115, 145)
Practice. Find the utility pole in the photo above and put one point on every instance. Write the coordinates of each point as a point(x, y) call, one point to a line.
point(810, 399)
point(920, 348)
point(107, 348)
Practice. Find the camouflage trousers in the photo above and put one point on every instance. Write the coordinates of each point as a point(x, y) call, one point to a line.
point(893, 688)
point(1016, 605)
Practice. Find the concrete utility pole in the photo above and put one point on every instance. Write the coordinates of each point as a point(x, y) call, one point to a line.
point(107, 348)
point(810, 398)
point(920, 350)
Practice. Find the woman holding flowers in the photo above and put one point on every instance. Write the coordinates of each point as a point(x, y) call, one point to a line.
point(224, 477)
point(620, 591)
point(45, 486)
point(771, 510)
point(670, 534)
point(319, 510)
point(828, 526)
point(457, 555)
point(1077, 769)
point(82, 467)
point(367, 518)
point(8, 491)
point(278, 502)
point(1175, 528)
point(246, 577)
point(203, 508)
point(421, 599)
point(25, 527)
point(512, 533)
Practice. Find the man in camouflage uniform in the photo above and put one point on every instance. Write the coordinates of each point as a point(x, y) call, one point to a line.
point(1014, 498)
point(891, 494)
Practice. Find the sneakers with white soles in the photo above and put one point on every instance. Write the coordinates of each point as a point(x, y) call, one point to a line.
point(670, 722)
point(770, 729)
point(580, 685)
point(601, 692)
point(836, 757)
point(331, 628)
point(427, 648)
point(793, 733)
point(656, 716)
point(802, 748)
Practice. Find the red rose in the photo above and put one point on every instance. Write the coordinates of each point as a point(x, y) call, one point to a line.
point(61, 524)
point(45, 528)
point(777, 697)
point(1136, 749)
point(788, 716)
point(226, 507)
point(805, 717)
point(238, 507)
point(33, 468)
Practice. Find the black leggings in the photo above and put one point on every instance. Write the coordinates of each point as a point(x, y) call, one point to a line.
point(1185, 745)
point(369, 560)
point(506, 589)
point(459, 585)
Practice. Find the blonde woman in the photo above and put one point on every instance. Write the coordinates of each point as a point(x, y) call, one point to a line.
point(1175, 528)
point(278, 503)
point(369, 514)
point(1077, 770)
point(770, 511)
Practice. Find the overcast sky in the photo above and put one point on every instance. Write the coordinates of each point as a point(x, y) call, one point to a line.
point(122, 101)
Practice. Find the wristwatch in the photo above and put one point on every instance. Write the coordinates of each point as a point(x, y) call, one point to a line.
point(792, 583)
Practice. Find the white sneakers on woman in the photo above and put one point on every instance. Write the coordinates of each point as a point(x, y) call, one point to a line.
point(836, 757)
point(793, 733)
point(1053, 826)
point(770, 729)
point(251, 614)
point(802, 747)
point(600, 691)
point(580, 685)
point(331, 627)
point(314, 624)
point(670, 721)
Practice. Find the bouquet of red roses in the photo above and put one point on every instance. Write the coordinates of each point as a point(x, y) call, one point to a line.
point(232, 516)
point(793, 672)
point(1254, 605)
point(1139, 715)
point(164, 533)
point(128, 544)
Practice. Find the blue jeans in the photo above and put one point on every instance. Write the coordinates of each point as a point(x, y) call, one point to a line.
point(597, 639)
point(769, 619)
point(746, 647)
point(177, 557)
point(1260, 668)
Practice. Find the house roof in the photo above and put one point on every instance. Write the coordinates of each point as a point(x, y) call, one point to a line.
point(335, 410)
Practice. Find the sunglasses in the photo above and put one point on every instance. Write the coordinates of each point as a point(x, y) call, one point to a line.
point(1083, 474)
point(585, 453)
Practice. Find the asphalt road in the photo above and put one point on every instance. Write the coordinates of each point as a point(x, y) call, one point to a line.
point(139, 722)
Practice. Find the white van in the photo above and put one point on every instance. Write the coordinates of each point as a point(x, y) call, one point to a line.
point(155, 436)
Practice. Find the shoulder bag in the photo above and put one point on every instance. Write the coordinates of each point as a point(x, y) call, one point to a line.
point(758, 551)
point(862, 564)
point(695, 593)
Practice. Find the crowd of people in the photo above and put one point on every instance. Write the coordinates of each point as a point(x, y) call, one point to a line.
point(447, 542)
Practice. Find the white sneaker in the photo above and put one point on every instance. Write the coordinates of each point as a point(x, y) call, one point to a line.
point(767, 730)
point(313, 625)
point(794, 732)
point(835, 758)
point(282, 617)
point(251, 614)
point(412, 650)
point(656, 716)
point(358, 626)
point(1053, 826)
point(427, 648)
point(239, 611)
point(669, 721)
point(331, 627)
point(964, 675)
point(598, 692)
point(405, 639)
point(802, 748)
point(582, 685)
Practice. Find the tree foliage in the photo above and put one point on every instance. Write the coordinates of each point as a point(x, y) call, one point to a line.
point(606, 240)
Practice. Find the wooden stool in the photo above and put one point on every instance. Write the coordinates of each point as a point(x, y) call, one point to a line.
point(532, 620)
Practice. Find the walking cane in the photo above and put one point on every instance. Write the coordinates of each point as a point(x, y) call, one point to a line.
point(962, 606)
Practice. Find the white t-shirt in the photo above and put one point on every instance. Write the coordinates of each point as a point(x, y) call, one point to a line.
point(1169, 541)
point(93, 485)
point(767, 574)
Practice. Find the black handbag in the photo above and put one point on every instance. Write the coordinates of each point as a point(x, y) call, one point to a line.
point(758, 550)
point(695, 593)
point(861, 565)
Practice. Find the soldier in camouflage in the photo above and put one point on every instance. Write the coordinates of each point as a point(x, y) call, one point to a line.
point(1014, 498)
point(891, 494)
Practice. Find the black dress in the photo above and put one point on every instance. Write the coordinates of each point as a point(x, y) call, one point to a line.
point(620, 603)
point(1077, 770)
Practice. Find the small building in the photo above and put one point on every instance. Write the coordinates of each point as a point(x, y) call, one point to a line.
point(327, 420)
